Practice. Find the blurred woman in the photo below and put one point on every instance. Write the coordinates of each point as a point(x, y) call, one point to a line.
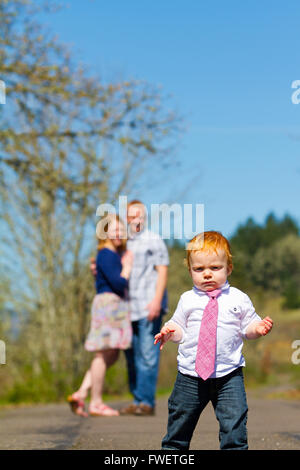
point(110, 328)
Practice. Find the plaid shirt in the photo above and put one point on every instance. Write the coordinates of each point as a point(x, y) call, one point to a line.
point(149, 250)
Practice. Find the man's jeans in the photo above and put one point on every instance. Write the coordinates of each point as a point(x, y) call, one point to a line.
point(143, 361)
point(190, 396)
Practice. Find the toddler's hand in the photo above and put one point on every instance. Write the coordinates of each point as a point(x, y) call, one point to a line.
point(264, 326)
point(164, 336)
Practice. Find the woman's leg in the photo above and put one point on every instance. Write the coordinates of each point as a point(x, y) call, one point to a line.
point(85, 386)
point(77, 398)
point(101, 362)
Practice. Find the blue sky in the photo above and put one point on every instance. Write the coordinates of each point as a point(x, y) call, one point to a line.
point(229, 67)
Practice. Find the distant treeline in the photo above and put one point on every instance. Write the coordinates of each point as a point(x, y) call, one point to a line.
point(266, 256)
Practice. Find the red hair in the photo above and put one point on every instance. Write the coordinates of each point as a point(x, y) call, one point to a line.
point(135, 202)
point(210, 241)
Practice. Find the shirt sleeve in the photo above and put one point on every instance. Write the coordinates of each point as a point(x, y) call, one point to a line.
point(249, 315)
point(161, 255)
point(180, 319)
point(107, 263)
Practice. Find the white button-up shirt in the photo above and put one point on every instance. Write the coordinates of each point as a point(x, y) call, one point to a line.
point(235, 314)
point(149, 250)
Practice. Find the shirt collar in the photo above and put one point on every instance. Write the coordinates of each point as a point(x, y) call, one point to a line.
point(224, 288)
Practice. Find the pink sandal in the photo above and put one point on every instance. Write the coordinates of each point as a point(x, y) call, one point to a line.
point(102, 410)
point(77, 406)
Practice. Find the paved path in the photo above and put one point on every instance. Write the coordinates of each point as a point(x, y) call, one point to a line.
point(272, 424)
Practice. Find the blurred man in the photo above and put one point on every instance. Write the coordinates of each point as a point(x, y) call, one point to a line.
point(148, 303)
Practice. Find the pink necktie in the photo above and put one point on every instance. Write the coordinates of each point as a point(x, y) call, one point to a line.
point(206, 351)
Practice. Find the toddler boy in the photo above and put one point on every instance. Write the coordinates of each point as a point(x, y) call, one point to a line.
point(210, 323)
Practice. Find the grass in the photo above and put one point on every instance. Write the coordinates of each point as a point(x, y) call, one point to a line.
point(269, 363)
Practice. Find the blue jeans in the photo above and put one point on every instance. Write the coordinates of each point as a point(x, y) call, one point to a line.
point(189, 398)
point(143, 360)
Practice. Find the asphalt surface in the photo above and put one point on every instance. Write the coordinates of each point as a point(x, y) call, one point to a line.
point(272, 425)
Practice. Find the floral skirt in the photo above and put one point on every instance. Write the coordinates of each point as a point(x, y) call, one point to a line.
point(110, 323)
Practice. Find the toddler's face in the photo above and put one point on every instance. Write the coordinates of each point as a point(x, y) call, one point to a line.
point(209, 270)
